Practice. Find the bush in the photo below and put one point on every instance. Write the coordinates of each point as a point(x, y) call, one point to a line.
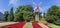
point(57, 22)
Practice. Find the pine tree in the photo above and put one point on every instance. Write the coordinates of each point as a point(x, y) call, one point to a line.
point(11, 15)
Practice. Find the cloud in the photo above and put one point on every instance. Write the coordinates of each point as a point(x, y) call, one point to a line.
point(2, 10)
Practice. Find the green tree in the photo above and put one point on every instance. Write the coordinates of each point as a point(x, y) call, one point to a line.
point(53, 14)
point(11, 15)
point(5, 16)
point(17, 14)
point(27, 12)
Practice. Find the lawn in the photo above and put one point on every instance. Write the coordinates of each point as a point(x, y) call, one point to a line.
point(6, 23)
point(53, 25)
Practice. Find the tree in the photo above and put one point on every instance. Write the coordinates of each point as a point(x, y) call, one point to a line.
point(17, 14)
point(27, 12)
point(11, 15)
point(53, 14)
point(5, 16)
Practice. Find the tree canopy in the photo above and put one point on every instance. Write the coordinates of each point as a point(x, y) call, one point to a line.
point(53, 14)
point(27, 12)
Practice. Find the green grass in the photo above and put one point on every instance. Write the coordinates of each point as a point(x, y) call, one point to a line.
point(54, 26)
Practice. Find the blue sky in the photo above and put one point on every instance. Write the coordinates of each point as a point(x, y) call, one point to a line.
point(5, 5)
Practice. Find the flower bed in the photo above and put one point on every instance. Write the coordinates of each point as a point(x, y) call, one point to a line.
point(35, 25)
point(17, 25)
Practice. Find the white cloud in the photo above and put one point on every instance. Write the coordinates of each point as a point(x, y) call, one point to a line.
point(2, 10)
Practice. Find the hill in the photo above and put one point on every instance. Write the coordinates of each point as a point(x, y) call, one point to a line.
point(1, 16)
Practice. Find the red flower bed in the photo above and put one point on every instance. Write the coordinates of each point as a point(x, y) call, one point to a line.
point(35, 25)
point(17, 25)
point(0, 26)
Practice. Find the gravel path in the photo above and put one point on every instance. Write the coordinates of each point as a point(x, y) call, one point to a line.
point(28, 25)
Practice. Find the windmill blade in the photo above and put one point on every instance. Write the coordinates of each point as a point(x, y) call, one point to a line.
point(35, 8)
point(40, 9)
point(34, 3)
point(40, 3)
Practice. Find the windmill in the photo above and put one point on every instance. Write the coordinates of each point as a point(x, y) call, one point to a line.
point(37, 11)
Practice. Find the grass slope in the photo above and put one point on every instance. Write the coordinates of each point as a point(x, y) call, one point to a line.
point(53, 25)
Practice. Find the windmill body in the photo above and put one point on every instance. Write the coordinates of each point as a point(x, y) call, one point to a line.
point(37, 13)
